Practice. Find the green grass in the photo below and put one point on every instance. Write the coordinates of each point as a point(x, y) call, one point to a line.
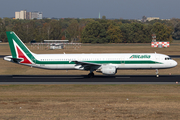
point(89, 102)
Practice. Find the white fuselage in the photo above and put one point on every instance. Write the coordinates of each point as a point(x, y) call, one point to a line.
point(120, 61)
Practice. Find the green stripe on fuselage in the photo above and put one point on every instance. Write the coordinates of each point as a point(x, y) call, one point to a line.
point(100, 62)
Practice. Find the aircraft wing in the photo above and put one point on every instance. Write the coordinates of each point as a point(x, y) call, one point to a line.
point(86, 63)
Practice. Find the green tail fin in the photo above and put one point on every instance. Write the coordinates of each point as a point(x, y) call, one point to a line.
point(11, 44)
point(18, 48)
point(14, 40)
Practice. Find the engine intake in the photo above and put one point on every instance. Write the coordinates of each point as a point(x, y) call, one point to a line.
point(108, 70)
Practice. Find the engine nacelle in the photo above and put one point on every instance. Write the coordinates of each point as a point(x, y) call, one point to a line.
point(108, 70)
point(79, 67)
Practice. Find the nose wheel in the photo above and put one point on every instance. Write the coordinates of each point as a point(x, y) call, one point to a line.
point(91, 75)
point(157, 73)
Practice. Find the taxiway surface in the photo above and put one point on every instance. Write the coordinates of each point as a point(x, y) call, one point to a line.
point(83, 79)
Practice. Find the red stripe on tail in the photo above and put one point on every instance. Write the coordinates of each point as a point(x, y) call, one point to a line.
point(21, 55)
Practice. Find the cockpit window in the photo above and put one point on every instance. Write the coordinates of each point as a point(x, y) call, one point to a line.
point(167, 58)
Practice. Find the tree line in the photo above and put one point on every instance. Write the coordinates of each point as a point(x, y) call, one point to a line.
point(91, 30)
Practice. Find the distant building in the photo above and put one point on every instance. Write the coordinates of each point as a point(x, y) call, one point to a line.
point(17, 15)
point(20, 15)
point(28, 15)
point(40, 16)
point(166, 19)
point(36, 15)
point(144, 19)
point(152, 18)
point(23, 14)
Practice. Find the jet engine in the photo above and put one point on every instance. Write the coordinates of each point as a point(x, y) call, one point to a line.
point(108, 70)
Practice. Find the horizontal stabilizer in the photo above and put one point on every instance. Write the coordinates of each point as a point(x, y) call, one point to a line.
point(10, 59)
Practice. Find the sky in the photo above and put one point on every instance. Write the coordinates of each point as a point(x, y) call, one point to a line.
point(125, 9)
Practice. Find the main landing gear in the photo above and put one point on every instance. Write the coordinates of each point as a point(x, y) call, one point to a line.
point(157, 73)
point(91, 75)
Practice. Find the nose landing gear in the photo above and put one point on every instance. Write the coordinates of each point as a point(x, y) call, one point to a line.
point(157, 73)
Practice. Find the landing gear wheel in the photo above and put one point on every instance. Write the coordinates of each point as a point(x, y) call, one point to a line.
point(157, 73)
point(91, 75)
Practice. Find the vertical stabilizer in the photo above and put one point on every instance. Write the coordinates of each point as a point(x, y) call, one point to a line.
point(19, 49)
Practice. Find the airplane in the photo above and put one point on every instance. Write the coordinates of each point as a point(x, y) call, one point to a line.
point(107, 64)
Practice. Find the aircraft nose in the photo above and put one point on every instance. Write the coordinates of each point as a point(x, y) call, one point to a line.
point(174, 63)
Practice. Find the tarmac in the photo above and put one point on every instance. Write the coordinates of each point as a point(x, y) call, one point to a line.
point(83, 79)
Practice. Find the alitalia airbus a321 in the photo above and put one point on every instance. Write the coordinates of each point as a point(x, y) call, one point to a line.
point(107, 64)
